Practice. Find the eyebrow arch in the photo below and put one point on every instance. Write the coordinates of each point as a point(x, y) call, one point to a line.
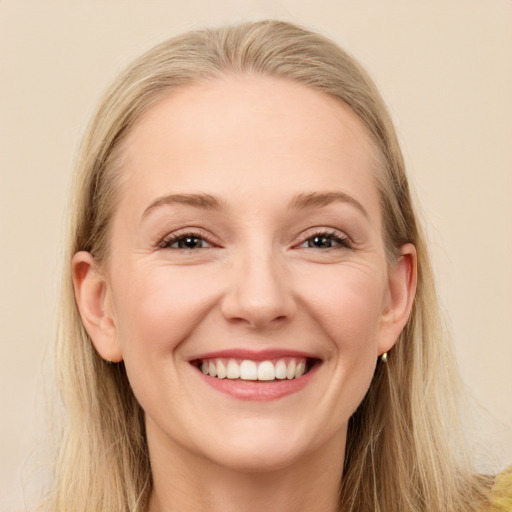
point(319, 199)
point(299, 201)
point(203, 201)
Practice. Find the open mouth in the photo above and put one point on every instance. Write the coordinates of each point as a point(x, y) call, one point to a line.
point(284, 368)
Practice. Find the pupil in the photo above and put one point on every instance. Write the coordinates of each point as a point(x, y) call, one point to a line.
point(189, 242)
point(320, 241)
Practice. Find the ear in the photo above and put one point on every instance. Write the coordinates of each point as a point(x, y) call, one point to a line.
point(93, 299)
point(402, 281)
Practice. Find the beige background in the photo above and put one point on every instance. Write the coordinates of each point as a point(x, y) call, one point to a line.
point(445, 68)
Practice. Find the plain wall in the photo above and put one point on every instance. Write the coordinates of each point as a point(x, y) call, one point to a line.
point(445, 69)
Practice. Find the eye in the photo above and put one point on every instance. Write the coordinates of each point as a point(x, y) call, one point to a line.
point(187, 241)
point(326, 240)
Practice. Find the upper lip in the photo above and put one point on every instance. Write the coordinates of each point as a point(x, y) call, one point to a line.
point(254, 355)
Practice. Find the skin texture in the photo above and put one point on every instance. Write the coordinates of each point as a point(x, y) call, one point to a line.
point(256, 280)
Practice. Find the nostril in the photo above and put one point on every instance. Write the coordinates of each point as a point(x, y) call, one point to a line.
point(256, 318)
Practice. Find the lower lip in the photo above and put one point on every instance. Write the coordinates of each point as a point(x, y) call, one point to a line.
point(259, 390)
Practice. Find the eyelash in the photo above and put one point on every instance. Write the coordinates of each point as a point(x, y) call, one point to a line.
point(170, 240)
point(342, 241)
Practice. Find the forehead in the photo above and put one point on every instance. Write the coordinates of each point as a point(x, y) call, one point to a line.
point(247, 133)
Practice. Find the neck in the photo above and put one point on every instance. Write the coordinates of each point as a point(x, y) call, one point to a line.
point(186, 481)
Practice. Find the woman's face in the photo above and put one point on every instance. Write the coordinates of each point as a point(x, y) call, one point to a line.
point(247, 240)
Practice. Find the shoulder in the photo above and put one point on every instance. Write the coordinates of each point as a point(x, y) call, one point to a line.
point(501, 494)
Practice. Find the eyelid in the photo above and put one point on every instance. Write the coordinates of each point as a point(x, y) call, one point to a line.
point(325, 231)
point(170, 238)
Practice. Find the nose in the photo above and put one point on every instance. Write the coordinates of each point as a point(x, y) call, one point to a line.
point(260, 293)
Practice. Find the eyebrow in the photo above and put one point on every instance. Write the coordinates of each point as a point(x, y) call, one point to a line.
point(319, 199)
point(299, 201)
point(203, 201)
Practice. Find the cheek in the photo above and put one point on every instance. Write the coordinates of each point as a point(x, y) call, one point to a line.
point(348, 306)
point(352, 322)
point(158, 307)
point(156, 310)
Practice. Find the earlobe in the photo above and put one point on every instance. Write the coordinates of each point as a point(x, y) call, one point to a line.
point(92, 298)
point(401, 292)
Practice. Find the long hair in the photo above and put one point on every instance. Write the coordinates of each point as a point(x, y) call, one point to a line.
point(404, 449)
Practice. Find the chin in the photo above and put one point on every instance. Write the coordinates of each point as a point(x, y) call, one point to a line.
point(263, 448)
point(258, 458)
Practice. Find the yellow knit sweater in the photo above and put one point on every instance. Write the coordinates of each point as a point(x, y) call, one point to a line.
point(501, 497)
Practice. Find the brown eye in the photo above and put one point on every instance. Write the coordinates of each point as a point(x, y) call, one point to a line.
point(190, 242)
point(325, 241)
point(185, 242)
point(320, 241)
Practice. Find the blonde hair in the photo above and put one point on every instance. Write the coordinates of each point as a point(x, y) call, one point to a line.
point(403, 450)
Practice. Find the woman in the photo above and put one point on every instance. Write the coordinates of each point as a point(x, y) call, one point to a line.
point(249, 319)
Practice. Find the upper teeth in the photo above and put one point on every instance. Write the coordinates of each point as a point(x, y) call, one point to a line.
point(246, 369)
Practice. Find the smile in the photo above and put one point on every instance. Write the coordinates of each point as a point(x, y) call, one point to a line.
point(256, 375)
point(268, 370)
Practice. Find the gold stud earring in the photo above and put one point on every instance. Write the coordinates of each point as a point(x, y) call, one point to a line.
point(384, 357)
